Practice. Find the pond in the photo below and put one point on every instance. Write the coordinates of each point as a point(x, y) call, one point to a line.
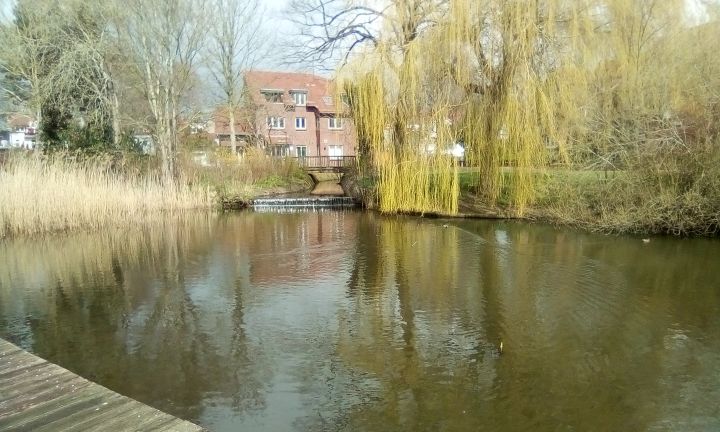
point(354, 321)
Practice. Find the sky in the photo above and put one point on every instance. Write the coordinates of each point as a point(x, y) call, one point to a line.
point(276, 11)
point(278, 26)
point(6, 8)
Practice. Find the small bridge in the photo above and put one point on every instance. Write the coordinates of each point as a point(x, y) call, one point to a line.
point(326, 172)
point(335, 164)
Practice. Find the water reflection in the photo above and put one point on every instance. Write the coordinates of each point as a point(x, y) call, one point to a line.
point(355, 321)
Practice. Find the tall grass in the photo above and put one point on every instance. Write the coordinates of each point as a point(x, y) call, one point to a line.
point(660, 194)
point(43, 194)
point(254, 173)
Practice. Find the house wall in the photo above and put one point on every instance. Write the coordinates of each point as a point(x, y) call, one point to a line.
point(293, 137)
point(317, 138)
point(344, 137)
point(288, 135)
point(21, 140)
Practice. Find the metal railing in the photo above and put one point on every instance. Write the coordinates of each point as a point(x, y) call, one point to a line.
point(325, 162)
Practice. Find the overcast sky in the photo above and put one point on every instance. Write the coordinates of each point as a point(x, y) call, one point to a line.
point(6, 8)
point(277, 7)
point(281, 29)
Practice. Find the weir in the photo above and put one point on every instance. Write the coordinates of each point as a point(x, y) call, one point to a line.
point(307, 202)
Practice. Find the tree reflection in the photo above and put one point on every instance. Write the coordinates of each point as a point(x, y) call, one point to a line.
point(124, 312)
point(357, 321)
point(418, 341)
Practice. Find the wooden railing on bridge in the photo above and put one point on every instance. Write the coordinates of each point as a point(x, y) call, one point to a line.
point(326, 163)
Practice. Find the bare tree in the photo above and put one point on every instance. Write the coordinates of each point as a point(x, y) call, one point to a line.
point(25, 55)
point(164, 38)
point(83, 74)
point(7, 104)
point(236, 43)
point(330, 31)
point(57, 60)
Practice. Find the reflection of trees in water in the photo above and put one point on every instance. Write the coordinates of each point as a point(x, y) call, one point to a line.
point(581, 322)
point(600, 333)
point(582, 319)
point(401, 366)
point(122, 310)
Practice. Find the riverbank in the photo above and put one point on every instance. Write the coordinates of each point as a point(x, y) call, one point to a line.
point(65, 192)
point(59, 193)
point(237, 181)
point(619, 202)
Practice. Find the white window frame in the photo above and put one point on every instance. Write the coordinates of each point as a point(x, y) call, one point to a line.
point(280, 150)
point(335, 123)
point(304, 123)
point(299, 97)
point(275, 122)
point(297, 151)
point(336, 156)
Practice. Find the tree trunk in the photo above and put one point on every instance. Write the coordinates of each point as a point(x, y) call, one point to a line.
point(166, 156)
point(38, 128)
point(233, 139)
point(166, 145)
point(115, 114)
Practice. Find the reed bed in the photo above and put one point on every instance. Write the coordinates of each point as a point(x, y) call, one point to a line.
point(252, 174)
point(42, 194)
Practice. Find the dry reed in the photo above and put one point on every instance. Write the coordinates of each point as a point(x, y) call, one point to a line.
point(253, 173)
point(56, 193)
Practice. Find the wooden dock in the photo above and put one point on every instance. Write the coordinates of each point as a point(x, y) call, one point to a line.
point(36, 395)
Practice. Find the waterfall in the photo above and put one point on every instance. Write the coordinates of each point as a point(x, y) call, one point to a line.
point(303, 203)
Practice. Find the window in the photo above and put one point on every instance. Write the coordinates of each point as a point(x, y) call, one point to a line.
point(334, 123)
point(335, 152)
point(274, 122)
point(300, 123)
point(300, 98)
point(280, 150)
point(272, 96)
point(301, 151)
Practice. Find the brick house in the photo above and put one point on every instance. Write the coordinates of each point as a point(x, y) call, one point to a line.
point(291, 114)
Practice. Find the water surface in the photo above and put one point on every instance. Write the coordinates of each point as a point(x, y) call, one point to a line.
point(330, 321)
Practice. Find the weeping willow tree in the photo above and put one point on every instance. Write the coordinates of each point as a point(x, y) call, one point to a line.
point(392, 104)
point(517, 83)
point(466, 73)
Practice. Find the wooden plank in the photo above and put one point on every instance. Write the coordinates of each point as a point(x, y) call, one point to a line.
point(36, 395)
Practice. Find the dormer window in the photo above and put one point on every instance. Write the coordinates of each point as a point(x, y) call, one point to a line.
point(273, 96)
point(299, 97)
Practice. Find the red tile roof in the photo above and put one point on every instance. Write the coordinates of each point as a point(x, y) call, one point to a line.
point(19, 121)
point(319, 88)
